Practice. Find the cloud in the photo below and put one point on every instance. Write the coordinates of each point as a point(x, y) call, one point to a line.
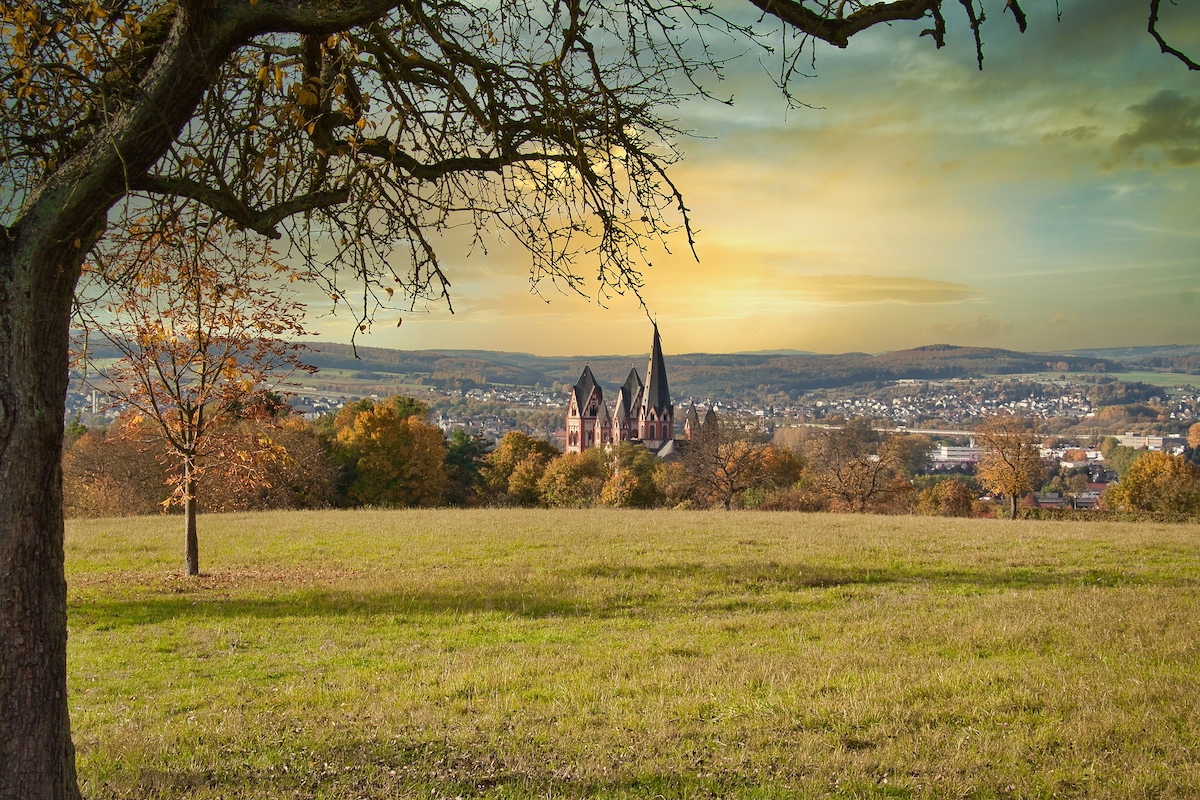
point(984, 328)
point(853, 289)
point(1080, 133)
point(1168, 121)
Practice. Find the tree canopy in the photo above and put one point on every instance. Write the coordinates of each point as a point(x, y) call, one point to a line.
point(355, 131)
point(1157, 481)
point(1011, 464)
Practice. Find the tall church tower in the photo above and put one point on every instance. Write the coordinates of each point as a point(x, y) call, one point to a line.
point(629, 403)
point(656, 415)
point(588, 420)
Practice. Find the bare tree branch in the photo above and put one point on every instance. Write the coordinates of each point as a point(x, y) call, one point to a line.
point(1162, 43)
point(227, 204)
point(837, 29)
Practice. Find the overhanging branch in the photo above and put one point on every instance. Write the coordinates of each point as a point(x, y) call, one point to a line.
point(299, 16)
point(264, 221)
point(837, 30)
point(435, 170)
point(1162, 43)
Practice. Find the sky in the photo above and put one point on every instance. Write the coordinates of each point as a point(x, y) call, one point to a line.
point(1050, 202)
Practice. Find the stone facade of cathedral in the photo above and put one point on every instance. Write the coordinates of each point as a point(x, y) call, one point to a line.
point(642, 413)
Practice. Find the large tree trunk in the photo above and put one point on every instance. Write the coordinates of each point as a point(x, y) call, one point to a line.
point(40, 257)
point(37, 759)
point(40, 254)
point(192, 543)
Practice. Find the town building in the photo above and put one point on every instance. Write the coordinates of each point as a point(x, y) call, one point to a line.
point(642, 413)
point(1164, 444)
point(949, 455)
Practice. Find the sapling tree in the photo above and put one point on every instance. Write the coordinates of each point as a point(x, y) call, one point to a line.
point(205, 333)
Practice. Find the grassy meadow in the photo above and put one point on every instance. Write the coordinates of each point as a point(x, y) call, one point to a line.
point(512, 654)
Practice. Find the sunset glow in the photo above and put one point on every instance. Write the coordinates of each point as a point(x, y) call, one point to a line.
point(1047, 202)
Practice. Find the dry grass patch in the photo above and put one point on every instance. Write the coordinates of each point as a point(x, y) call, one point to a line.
point(634, 654)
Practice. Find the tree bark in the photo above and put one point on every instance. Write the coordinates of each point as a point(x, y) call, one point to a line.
point(40, 258)
point(37, 759)
point(192, 543)
point(41, 252)
point(1013, 506)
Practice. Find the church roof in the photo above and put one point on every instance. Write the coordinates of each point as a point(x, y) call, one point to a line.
point(583, 389)
point(693, 417)
point(657, 394)
point(621, 407)
point(633, 382)
point(627, 396)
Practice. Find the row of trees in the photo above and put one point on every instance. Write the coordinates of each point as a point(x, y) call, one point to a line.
point(386, 453)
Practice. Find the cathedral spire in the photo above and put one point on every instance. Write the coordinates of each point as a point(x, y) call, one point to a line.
point(656, 417)
point(657, 395)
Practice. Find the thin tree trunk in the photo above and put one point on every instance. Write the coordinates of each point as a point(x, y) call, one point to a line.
point(192, 557)
point(37, 759)
point(1013, 502)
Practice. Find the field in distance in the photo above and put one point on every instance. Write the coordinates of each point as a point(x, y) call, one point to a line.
point(513, 654)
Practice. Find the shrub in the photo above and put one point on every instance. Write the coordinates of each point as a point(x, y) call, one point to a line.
point(301, 472)
point(105, 475)
point(631, 483)
point(795, 499)
point(1157, 482)
point(949, 498)
point(574, 480)
point(515, 467)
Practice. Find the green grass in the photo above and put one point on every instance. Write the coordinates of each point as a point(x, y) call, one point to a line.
point(1167, 380)
point(1164, 379)
point(507, 654)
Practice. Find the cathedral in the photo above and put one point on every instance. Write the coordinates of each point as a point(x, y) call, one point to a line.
point(643, 412)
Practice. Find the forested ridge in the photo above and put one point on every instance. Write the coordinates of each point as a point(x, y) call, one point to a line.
point(707, 374)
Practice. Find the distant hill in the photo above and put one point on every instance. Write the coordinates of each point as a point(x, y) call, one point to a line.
point(775, 353)
point(702, 375)
point(1183, 358)
point(1136, 353)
